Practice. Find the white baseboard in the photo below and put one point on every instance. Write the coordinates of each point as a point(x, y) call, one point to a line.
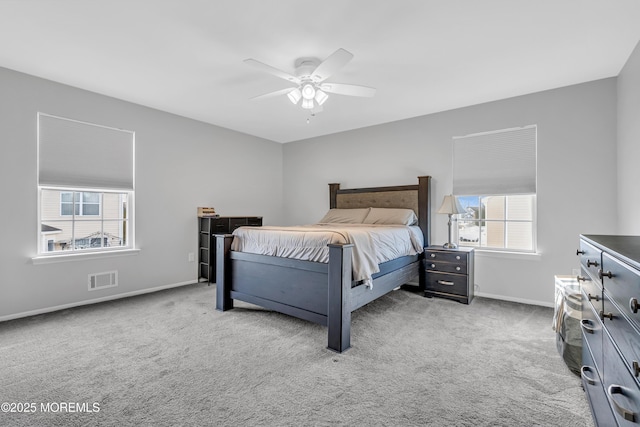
point(512, 299)
point(94, 301)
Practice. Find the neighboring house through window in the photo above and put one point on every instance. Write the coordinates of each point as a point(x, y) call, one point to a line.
point(86, 204)
point(494, 178)
point(85, 177)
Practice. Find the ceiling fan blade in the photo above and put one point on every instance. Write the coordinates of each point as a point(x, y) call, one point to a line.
point(271, 70)
point(345, 89)
point(275, 93)
point(333, 63)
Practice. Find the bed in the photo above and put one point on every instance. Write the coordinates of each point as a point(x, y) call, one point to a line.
point(324, 292)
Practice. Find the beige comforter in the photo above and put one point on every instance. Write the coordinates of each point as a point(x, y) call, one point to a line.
point(373, 244)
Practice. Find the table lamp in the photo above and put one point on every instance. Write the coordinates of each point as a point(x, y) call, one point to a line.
point(450, 206)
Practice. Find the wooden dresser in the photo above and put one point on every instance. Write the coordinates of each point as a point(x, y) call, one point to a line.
point(610, 285)
point(208, 227)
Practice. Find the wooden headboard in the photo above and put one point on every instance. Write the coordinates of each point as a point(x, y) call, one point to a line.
point(416, 197)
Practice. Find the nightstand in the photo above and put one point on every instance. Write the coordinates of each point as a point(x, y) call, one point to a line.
point(449, 273)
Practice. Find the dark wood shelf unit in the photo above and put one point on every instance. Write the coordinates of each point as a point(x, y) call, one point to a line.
point(208, 227)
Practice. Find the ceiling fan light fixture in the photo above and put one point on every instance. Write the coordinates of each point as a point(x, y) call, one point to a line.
point(321, 97)
point(294, 95)
point(307, 103)
point(308, 91)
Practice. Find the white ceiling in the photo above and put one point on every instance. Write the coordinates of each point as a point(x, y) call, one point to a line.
point(423, 56)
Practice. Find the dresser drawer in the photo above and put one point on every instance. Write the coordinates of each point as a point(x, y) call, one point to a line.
point(592, 385)
point(219, 225)
point(625, 336)
point(590, 259)
point(236, 222)
point(620, 387)
point(592, 331)
point(591, 290)
point(447, 283)
point(255, 221)
point(623, 287)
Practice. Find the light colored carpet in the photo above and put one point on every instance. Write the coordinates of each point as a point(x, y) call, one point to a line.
point(170, 358)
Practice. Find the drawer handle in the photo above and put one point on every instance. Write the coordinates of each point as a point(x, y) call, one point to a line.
point(579, 252)
point(580, 278)
point(636, 368)
point(626, 413)
point(596, 297)
point(603, 315)
point(458, 257)
point(433, 255)
point(445, 282)
point(586, 325)
point(602, 274)
point(583, 374)
point(590, 263)
point(457, 268)
point(433, 266)
point(633, 305)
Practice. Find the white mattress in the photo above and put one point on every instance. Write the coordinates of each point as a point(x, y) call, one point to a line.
point(373, 244)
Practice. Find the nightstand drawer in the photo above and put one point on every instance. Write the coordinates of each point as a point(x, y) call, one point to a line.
point(458, 258)
point(446, 267)
point(447, 283)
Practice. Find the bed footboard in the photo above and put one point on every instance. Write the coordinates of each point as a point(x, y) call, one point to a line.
point(339, 307)
point(320, 293)
point(223, 272)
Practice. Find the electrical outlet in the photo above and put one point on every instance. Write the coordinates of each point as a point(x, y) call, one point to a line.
point(192, 257)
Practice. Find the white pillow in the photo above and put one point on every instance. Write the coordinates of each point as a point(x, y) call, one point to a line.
point(391, 216)
point(345, 216)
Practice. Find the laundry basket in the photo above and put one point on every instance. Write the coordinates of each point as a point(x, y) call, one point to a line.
point(566, 321)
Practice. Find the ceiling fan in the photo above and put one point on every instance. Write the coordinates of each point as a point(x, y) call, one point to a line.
point(309, 80)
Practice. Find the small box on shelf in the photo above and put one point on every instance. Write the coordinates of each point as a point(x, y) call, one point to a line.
point(207, 212)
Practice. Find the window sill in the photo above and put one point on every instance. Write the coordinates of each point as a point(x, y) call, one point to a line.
point(525, 256)
point(48, 259)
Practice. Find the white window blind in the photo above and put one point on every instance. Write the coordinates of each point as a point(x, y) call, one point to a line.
point(78, 154)
point(492, 163)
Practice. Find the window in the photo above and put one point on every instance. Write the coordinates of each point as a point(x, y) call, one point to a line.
point(87, 226)
point(85, 177)
point(498, 222)
point(495, 182)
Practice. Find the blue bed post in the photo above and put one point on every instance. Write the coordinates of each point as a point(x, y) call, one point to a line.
point(339, 304)
point(223, 272)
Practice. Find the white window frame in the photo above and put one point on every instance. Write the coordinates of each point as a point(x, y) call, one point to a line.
point(130, 238)
point(533, 222)
point(44, 256)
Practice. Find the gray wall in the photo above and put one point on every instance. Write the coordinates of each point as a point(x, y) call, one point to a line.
point(180, 164)
point(576, 175)
point(629, 145)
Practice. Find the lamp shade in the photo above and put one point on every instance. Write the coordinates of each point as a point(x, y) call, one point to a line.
point(295, 95)
point(451, 205)
point(307, 103)
point(321, 96)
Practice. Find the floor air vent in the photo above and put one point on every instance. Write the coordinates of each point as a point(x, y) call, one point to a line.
point(107, 279)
